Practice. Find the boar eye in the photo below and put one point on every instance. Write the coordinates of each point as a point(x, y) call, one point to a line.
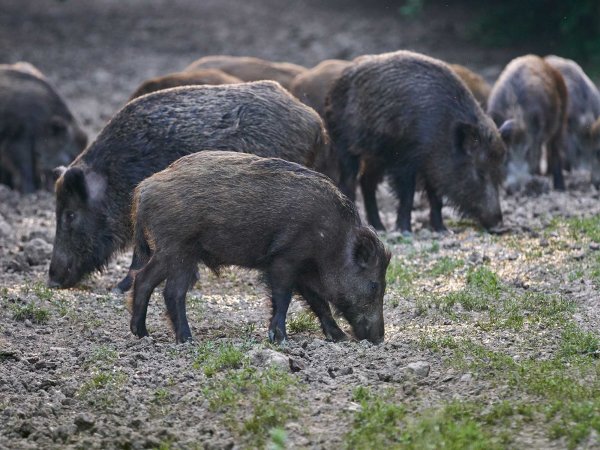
point(69, 216)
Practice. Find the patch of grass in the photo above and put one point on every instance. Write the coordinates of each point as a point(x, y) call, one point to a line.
point(263, 395)
point(382, 423)
point(563, 390)
point(108, 381)
point(278, 439)
point(42, 292)
point(585, 227)
point(434, 248)
point(161, 395)
point(485, 280)
point(32, 312)
point(304, 321)
point(213, 358)
point(376, 424)
point(102, 355)
point(445, 266)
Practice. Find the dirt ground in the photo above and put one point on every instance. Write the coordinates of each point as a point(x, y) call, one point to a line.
point(73, 376)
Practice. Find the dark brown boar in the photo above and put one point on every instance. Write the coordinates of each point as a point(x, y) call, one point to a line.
point(197, 77)
point(291, 223)
point(311, 87)
point(248, 68)
point(409, 116)
point(533, 95)
point(37, 130)
point(93, 195)
point(477, 85)
point(583, 111)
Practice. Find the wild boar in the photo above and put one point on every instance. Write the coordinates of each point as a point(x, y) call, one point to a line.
point(582, 141)
point(196, 77)
point(93, 195)
point(248, 68)
point(476, 83)
point(289, 222)
point(410, 117)
point(533, 96)
point(37, 130)
point(311, 87)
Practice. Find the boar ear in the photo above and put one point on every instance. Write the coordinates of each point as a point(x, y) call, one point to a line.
point(57, 172)
point(467, 139)
point(365, 247)
point(73, 182)
point(506, 130)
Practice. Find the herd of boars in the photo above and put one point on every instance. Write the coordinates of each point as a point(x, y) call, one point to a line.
point(247, 162)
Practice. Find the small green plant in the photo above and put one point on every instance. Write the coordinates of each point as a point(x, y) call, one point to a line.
point(278, 439)
point(42, 292)
point(31, 312)
point(103, 380)
point(484, 280)
point(588, 227)
point(304, 321)
point(213, 358)
point(445, 266)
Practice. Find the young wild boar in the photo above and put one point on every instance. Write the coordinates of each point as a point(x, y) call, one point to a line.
point(475, 82)
point(583, 117)
point(196, 77)
point(293, 224)
point(93, 195)
point(248, 68)
point(311, 87)
point(37, 130)
point(409, 116)
point(532, 94)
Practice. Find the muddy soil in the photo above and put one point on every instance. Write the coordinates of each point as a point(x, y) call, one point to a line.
point(72, 375)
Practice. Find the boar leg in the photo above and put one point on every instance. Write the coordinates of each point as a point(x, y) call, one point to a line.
point(555, 162)
point(178, 283)
point(281, 295)
point(145, 282)
point(404, 182)
point(350, 166)
point(136, 262)
point(435, 210)
point(370, 177)
point(322, 310)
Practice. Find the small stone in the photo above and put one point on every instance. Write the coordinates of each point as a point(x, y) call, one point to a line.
point(466, 378)
point(37, 251)
point(316, 343)
point(84, 422)
point(544, 242)
point(267, 357)
point(28, 323)
point(354, 407)
point(5, 228)
point(335, 372)
point(579, 256)
point(296, 365)
point(594, 246)
point(419, 368)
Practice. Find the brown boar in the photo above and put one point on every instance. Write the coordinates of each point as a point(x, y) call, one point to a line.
point(311, 87)
point(409, 116)
point(292, 224)
point(37, 130)
point(478, 86)
point(93, 195)
point(533, 95)
point(248, 68)
point(196, 77)
point(583, 112)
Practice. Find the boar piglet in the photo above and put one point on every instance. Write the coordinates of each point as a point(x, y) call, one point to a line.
point(289, 222)
point(410, 117)
point(93, 195)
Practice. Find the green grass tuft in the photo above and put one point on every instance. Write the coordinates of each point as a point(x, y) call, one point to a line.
point(30, 311)
point(304, 321)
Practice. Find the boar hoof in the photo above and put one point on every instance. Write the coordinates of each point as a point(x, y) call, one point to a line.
point(276, 336)
point(123, 286)
point(139, 330)
point(336, 335)
point(184, 338)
